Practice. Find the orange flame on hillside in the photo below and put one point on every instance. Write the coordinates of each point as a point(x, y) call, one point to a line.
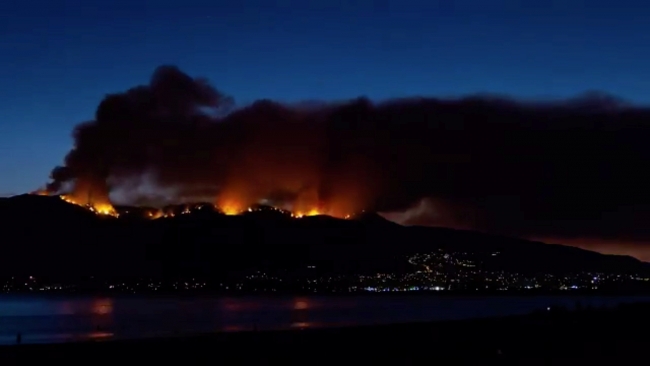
point(100, 208)
point(312, 212)
point(86, 196)
point(231, 208)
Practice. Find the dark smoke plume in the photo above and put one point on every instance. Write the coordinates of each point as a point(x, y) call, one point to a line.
point(565, 168)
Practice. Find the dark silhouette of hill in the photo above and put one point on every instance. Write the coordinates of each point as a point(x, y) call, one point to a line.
point(46, 236)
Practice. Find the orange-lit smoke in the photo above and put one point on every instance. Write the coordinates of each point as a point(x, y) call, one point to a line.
point(491, 164)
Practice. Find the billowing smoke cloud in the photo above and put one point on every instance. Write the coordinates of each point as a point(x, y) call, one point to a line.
point(561, 169)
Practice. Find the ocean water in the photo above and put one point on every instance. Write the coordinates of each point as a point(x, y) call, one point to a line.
point(52, 319)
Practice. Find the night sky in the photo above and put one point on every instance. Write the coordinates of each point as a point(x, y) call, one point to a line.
point(60, 58)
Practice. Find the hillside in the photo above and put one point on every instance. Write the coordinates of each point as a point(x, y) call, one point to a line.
point(47, 236)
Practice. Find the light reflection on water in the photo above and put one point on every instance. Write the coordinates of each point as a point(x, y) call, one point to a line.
point(102, 306)
point(43, 320)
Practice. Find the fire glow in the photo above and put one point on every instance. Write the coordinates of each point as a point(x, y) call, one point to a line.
point(107, 209)
point(104, 209)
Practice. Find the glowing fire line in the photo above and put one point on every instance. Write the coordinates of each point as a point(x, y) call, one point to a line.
point(106, 209)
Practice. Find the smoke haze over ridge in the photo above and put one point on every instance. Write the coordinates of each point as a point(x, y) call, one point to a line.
point(570, 169)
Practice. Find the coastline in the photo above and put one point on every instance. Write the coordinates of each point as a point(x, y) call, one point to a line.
point(584, 336)
point(263, 294)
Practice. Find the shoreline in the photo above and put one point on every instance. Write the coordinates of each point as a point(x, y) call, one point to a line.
point(589, 335)
point(432, 293)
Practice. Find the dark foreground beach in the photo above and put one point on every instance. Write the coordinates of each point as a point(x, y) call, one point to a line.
point(603, 336)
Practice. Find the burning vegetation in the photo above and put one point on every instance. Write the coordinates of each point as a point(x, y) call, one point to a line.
point(107, 209)
point(100, 208)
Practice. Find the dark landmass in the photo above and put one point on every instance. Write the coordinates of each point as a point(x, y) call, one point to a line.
point(558, 337)
point(44, 236)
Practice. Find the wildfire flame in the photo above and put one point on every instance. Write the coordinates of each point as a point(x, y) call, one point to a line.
point(235, 210)
point(104, 209)
point(230, 208)
point(312, 212)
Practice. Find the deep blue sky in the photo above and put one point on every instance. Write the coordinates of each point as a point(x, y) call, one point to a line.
point(59, 58)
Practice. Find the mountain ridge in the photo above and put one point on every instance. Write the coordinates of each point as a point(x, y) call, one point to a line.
point(46, 235)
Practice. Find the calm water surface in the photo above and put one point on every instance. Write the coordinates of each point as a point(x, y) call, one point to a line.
point(47, 320)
